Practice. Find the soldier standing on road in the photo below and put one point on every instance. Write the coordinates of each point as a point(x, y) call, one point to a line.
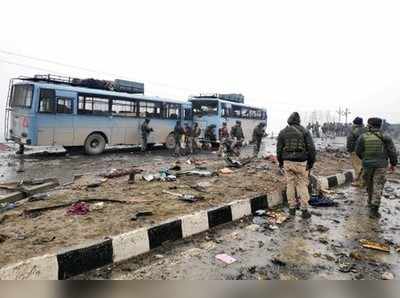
point(223, 138)
point(146, 130)
point(296, 155)
point(356, 131)
point(258, 135)
point(237, 135)
point(375, 149)
point(187, 138)
point(179, 134)
point(194, 138)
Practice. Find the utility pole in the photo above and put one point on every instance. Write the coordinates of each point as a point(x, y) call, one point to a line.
point(346, 113)
point(340, 112)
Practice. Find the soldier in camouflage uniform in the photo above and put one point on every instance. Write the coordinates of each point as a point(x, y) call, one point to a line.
point(296, 156)
point(238, 136)
point(146, 130)
point(375, 149)
point(258, 134)
point(356, 131)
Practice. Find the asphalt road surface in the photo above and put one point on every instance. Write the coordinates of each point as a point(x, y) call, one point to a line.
point(325, 247)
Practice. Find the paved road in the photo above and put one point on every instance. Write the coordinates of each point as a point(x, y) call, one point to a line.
point(325, 247)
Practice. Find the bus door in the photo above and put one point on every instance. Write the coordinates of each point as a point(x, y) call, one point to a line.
point(65, 102)
point(19, 126)
point(46, 117)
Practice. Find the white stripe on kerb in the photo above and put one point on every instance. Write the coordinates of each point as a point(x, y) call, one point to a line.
point(39, 268)
point(324, 183)
point(341, 179)
point(240, 209)
point(130, 245)
point(275, 199)
point(194, 224)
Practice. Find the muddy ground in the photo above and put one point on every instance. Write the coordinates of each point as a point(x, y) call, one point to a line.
point(46, 232)
point(325, 247)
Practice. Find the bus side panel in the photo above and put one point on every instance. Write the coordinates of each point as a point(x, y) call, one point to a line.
point(162, 128)
point(132, 130)
point(64, 126)
point(84, 125)
point(119, 127)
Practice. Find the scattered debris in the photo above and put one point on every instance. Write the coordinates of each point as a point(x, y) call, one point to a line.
point(98, 206)
point(141, 214)
point(193, 252)
point(159, 256)
point(318, 201)
point(116, 173)
point(347, 267)
point(225, 171)
point(43, 240)
point(375, 245)
point(96, 183)
point(148, 178)
point(258, 220)
point(387, 276)
point(36, 211)
point(261, 212)
point(276, 218)
point(200, 173)
point(226, 258)
point(185, 197)
point(80, 208)
point(356, 256)
point(208, 245)
point(278, 262)
point(253, 228)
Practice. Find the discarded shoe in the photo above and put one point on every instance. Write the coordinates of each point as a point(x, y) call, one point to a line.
point(305, 214)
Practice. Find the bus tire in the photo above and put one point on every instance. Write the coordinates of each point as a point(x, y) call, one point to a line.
point(95, 144)
point(170, 141)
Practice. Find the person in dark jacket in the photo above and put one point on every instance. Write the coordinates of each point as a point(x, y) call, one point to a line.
point(357, 130)
point(296, 156)
point(237, 136)
point(376, 151)
point(258, 135)
point(146, 130)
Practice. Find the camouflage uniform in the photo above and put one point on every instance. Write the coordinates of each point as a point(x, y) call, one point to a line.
point(237, 135)
point(296, 155)
point(356, 131)
point(375, 149)
point(146, 130)
point(258, 135)
point(179, 133)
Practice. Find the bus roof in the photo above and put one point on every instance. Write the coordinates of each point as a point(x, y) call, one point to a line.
point(100, 92)
point(227, 102)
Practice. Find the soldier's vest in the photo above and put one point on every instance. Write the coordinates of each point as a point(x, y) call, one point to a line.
point(374, 147)
point(294, 140)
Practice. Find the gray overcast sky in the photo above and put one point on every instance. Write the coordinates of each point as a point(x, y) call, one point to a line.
point(284, 55)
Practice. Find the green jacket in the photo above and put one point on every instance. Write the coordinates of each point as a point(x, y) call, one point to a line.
point(237, 132)
point(258, 133)
point(375, 149)
point(295, 144)
point(355, 133)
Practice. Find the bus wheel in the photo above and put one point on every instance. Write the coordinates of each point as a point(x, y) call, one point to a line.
point(170, 142)
point(95, 144)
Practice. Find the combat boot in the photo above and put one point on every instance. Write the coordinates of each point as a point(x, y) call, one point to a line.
point(292, 212)
point(305, 214)
point(374, 212)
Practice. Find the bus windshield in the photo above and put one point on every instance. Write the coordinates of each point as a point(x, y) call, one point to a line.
point(21, 96)
point(205, 108)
